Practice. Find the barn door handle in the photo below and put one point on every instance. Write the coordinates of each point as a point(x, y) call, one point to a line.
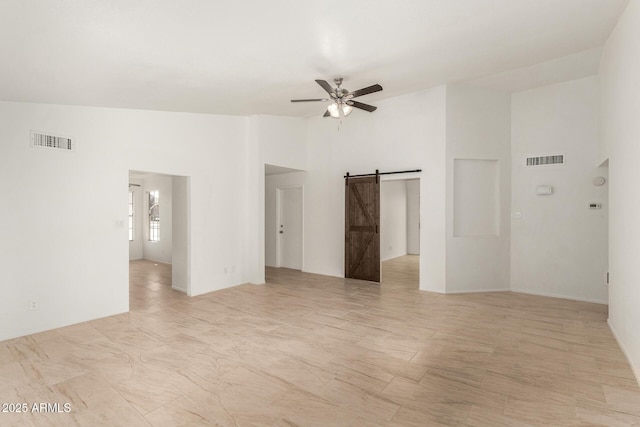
point(376, 229)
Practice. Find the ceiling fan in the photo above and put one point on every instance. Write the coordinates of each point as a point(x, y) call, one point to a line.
point(343, 102)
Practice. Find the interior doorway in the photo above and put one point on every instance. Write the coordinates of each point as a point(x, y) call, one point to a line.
point(382, 229)
point(400, 232)
point(150, 216)
point(159, 243)
point(284, 217)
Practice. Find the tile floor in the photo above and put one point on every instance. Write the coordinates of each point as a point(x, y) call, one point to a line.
point(310, 350)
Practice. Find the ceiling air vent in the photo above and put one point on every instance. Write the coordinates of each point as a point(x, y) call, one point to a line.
point(43, 140)
point(555, 159)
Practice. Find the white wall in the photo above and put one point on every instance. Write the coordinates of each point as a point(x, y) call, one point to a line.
point(476, 198)
point(478, 127)
point(393, 219)
point(159, 251)
point(272, 183)
point(620, 140)
point(559, 247)
point(64, 228)
point(181, 248)
point(135, 246)
point(283, 141)
point(406, 132)
point(413, 216)
point(279, 141)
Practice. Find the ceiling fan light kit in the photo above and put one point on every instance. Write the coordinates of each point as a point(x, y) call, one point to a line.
point(343, 103)
point(339, 110)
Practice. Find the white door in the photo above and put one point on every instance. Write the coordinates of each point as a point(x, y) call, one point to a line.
point(290, 228)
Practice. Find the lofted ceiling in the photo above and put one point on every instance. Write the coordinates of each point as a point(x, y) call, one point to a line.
point(246, 57)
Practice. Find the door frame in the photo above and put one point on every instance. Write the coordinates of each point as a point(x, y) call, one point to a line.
point(279, 192)
point(181, 240)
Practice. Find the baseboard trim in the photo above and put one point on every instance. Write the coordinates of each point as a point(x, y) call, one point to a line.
point(393, 257)
point(550, 295)
point(155, 260)
point(634, 369)
point(476, 291)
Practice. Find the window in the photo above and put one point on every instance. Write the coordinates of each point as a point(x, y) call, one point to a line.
point(131, 216)
point(154, 216)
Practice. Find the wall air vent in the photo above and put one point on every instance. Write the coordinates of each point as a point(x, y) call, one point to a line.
point(555, 159)
point(44, 140)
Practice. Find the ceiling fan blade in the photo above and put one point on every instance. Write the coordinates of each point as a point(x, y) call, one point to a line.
point(362, 106)
point(327, 87)
point(309, 100)
point(326, 114)
point(365, 91)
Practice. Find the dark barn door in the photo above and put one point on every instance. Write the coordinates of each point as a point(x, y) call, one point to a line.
point(362, 228)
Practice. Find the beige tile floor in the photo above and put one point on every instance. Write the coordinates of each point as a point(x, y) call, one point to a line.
point(310, 350)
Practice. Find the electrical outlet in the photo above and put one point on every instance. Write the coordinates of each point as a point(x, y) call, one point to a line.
point(33, 305)
point(226, 270)
point(233, 268)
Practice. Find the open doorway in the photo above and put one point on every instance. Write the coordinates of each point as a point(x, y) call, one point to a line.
point(400, 232)
point(158, 238)
point(284, 217)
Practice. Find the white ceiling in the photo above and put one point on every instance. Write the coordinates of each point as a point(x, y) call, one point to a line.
point(253, 56)
point(570, 67)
